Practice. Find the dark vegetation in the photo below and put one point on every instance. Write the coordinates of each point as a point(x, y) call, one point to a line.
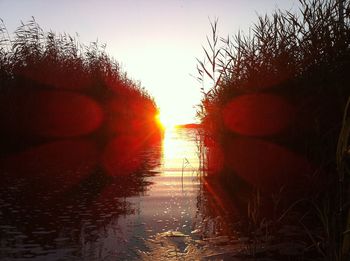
point(273, 120)
point(52, 87)
point(71, 120)
point(35, 66)
point(67, 112)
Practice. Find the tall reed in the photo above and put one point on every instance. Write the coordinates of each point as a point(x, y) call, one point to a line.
point(34, 60)
point(303, 57)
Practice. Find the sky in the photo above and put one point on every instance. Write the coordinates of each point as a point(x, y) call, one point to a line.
point(156, 41)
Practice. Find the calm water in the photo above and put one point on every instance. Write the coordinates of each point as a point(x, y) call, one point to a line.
point(163, 211)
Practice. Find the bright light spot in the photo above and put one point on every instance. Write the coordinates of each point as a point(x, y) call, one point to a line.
point(166, 121)
point(154, 65)
point(180, 153)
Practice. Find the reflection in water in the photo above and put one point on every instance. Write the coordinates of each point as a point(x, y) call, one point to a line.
point(99, 217)
point(180, 152)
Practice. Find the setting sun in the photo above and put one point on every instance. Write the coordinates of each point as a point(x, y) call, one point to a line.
point(166, 121)
point(175, 130)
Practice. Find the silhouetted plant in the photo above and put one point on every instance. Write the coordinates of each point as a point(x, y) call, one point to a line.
point(304, 58)
point(36, 60)
point(281, 47)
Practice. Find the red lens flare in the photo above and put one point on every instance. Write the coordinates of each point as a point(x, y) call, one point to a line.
point(51, 114)
point(266, 164)
point(52, 165)
point(258, 114)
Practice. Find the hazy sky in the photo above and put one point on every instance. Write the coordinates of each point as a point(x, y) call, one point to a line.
point(156, 41)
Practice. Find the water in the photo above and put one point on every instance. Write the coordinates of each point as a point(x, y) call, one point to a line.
point(163, 211)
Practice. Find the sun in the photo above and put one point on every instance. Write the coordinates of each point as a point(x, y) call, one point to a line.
point(165, 121)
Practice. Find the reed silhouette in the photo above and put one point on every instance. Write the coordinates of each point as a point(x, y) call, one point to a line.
point(274, 113)
point(54, 88)
point(75, 132)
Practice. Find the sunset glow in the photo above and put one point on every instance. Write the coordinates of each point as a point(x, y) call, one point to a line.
point(175, 130)
point(155, 42)
point(166, 121)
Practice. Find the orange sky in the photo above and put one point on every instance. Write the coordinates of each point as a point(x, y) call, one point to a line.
point(156, 41)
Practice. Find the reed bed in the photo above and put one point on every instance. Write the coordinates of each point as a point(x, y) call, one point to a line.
point(33, 60)
point(55, 56)
point(303, 57)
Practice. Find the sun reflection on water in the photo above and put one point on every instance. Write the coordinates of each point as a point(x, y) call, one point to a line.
point(179, 154)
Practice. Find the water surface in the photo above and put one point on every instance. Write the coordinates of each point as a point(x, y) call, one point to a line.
point(161, 211)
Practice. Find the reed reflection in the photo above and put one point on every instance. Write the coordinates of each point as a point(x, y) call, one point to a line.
point(57, 207)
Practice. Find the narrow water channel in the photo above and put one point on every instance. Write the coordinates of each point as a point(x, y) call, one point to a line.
point(162, 212)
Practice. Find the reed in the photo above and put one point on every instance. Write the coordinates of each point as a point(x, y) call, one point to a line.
point(55, 56)
point(282, 48)
point(33, 60)
point(299, 56)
